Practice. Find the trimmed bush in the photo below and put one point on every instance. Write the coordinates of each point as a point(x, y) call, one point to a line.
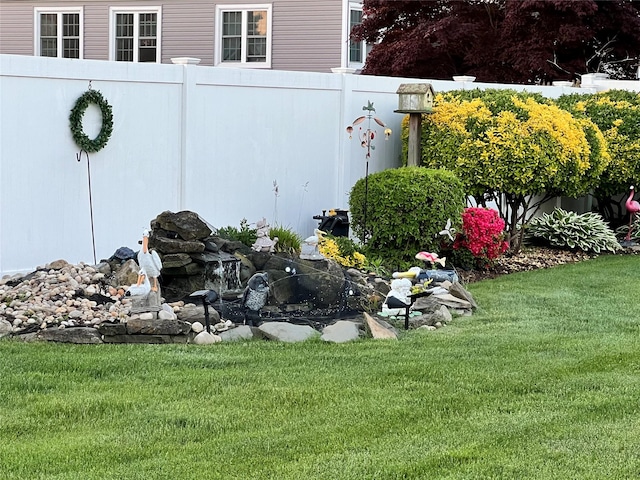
point(515, 145)
point(617, 114)
point(405, 210)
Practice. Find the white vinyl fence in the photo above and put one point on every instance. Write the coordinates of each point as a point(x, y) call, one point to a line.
point(229, 144)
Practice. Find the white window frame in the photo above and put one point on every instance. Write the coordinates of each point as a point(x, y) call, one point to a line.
point(363, 45)
point(244, 8)
point(113, 11)
point(59, 11)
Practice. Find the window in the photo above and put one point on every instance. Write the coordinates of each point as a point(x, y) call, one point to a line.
point(356, 51)
point(243, 36)
point(135, 34)
point(58, 32)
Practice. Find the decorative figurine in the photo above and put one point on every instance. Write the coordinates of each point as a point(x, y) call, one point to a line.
point(149, 262)
point(264, 243)
point(140, 289)
point(633, 207)
point(255, 295)
point(309, 248)
point(398, 298)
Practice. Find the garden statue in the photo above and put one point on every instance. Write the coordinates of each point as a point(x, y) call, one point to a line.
point(143, 297)
point(264, 243)
point(309, 248)
point(398, 297)
point(141, 288)
point(255, 296)
point(149, 262)
point(418, 274)
point(431, 259)
point(633, 207)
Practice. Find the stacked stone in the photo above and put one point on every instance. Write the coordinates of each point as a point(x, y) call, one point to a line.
point(185, 243)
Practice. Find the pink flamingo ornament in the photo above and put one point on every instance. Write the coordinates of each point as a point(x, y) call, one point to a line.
point(633, 207)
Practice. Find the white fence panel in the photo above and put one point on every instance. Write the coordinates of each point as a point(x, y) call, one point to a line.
point(185, 137)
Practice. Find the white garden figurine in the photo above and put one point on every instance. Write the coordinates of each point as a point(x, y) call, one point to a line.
point(149, 262)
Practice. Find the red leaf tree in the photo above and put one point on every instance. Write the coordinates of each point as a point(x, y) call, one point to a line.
point(514, 41)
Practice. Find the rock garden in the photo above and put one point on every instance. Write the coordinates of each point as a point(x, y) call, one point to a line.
point(205, 291)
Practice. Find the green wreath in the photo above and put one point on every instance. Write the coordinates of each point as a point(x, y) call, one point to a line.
point(77, 112)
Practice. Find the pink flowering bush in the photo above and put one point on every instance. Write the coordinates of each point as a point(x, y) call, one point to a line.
point(482, 236)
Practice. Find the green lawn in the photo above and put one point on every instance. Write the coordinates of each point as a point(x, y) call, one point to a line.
point(542, 382)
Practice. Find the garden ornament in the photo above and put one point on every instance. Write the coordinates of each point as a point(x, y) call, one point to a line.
point(633, 207)
point(149, 262)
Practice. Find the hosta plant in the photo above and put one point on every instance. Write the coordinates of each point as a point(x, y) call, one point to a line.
point(623, 230)
point(587, 232)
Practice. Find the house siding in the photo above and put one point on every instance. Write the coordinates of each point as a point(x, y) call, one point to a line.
point(16, 28)
point(188, 30)
point(96, 30)
point(306, 34)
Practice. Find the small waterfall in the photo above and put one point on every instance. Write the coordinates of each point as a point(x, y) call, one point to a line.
point(223, 274)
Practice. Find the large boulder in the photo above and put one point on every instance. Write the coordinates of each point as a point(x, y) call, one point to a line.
point(187, 225)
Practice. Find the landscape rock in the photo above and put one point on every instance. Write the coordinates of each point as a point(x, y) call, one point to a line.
point(176, 260)
point(197, 327)
point(57, 265)
point(287, 332)
point(157, 326)
point(376, 329)
point(453, 302)
point(126, 275)
point(164, 315)
point(457, 290)
point(241, 332)
point(206, 338)
point(441, 315)
point(173, 245)
point(195, 313)
point(71, 335)
point(340, 332)
point(5, 328)
point(188, 225)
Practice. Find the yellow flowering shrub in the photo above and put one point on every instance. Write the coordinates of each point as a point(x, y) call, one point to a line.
point(617, 115)
point(343, 253)
point(513, 143)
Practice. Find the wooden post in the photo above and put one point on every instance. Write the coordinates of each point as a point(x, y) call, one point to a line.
point(415, 124)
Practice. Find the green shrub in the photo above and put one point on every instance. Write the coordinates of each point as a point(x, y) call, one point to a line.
point(405, 210)
point(244, 234)
point(617, 114)
point(587, 232)
point(288, 240)
point(513, 144)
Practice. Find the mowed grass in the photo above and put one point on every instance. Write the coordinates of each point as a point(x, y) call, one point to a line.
point(542, 382)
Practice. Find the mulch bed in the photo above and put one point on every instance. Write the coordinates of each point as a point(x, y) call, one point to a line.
point(529, 258)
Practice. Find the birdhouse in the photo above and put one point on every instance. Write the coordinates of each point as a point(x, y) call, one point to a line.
point(415, 98)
